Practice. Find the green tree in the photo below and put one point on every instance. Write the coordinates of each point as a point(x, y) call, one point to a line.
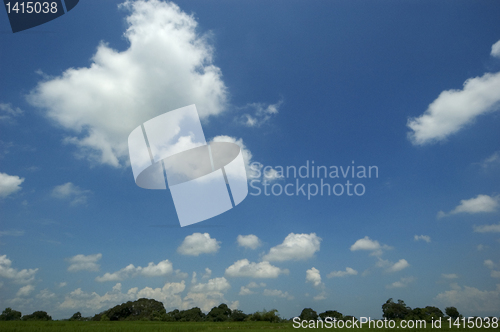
point(308, 314)
point(76, 316)
point(219, 314)
point(37, 315)
point(452, 312)
point(332, 314)
point(395, 310)
point(238, 316)
point(9, 314)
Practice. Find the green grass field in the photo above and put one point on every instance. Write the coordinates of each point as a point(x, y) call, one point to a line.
point(59, 326)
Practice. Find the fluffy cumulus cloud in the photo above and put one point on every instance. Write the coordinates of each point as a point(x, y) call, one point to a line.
point(314, 277)
point(472, 300)
point(197, 243)
point(245, 268)
point(19, 276)
point(494, 228)
point(348, 272)
point(71, 192)
point(9, 184)
point(206, 295)
point(403, 282)
point(248, 241)
point(479, 204)
point(278, 293)
point(398, 266)
point(168, 65)
point(163, 268)
point(84, 263)
point(425, 238)
point(454, 109)
point(369, 245)
point(90, 302)
point(294, 247)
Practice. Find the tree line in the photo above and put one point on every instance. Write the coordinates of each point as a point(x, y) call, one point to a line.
point(152, 310)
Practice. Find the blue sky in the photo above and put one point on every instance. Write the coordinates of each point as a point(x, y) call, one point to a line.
point(411, 87)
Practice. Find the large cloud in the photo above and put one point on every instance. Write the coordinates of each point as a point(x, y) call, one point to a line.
point(244, 268)
point(454, 109)
point(206, 295)
point(294, 247)
point(167, 65)
point(472, 300)
point(19, 276)
point(479, 204)
point(197, 244)
point(9, 184)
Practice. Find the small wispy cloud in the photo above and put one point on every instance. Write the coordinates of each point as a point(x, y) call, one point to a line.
point(425, 238)
point(71, 192)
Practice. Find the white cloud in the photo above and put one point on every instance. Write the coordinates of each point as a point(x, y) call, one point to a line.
point(84, 263)
point(495, 228)
point(449, 276)
point(403, 282)
point(168, 294)
point(18, 276)
point(245, 291)
point(370, 245)
point(294, 247)
point(278, 293)
point(398, 266)
point(71, 192)
point(491, 161)
point(8, 113)
point(313, 276)
point(193, 278)
point(248, 241)
point(9, 184)
point(63, 284)
point(12, 232)
point(454, 109)
point(472, 300)
point(197, 244)
point(167, 66)
point(425, 238)
point(348, 272)
point(261, 113)
point(207, 273)
point(489, 264)
point(479, 204)
point(495, 49)
point(206, 295)
point(181, 275)
point(244, 268)
point(163, 268)
point(25, 291)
